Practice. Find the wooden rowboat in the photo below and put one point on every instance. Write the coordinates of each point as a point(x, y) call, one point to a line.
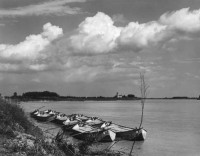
point(89, 133)
point(43, 116)
point(126, 133)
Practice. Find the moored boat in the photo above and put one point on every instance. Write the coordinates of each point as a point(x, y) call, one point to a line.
point(69, 123)
point(81, 117)
point(43, 116)
point(60, 118)
point(126, 133)
point(34, 113)
point(84, 127)
point(86, 132)
point(94, 121)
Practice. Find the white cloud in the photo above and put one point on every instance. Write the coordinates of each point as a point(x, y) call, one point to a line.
point(182, 20)
point(96, 34)
point(56, 7)
point(51, 32)
point(136, 36)
point(30, 54)
point(33, 45)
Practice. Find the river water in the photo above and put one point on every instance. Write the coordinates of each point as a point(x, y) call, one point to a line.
point(173, 126)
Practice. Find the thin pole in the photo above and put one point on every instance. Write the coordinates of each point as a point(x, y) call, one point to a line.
point(132, 148)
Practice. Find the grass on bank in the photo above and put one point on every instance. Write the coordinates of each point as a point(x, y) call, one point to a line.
point(14, 122)
point(13, 119)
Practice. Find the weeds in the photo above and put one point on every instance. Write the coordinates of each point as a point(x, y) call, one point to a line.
point(13, 118)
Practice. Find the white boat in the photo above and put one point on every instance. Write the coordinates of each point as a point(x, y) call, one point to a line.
point(89, 133)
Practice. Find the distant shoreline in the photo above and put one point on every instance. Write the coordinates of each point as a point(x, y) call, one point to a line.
point(52, 96)
point(105, 99)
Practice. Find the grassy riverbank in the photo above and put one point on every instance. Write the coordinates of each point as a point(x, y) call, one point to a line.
point(20, 137)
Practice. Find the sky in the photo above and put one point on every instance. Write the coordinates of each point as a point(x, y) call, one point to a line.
point(100, 47)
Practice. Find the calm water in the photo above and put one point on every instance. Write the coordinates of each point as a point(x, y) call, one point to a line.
point(173, 125)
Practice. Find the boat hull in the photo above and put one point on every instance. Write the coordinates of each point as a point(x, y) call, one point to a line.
point(133, 135)
point(98, 136)
point(58, 121)
point(44, 119)
point(34, 113)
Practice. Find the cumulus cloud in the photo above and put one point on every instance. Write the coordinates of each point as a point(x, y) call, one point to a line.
point(56, 7)
point(27, 53)
point(33, 45)
point(182, 20)
point(99, 34)
point(136, 36)
point(96, 34)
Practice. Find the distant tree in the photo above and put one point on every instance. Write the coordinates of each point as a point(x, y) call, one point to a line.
point(116, 95)
point(15, 94)
point(40, 94)
point(131, 96)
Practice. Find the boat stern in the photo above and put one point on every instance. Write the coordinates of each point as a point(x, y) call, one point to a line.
point(142, 134)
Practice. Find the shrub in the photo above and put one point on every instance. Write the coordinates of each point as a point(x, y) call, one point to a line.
point(13, 118)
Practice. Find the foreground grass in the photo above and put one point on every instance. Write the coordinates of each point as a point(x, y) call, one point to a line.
point(13, 118)
point(20, 137)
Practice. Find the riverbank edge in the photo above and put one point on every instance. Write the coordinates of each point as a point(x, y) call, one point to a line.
point(20, 137)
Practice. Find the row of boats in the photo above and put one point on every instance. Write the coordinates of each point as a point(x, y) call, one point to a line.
point(87, 128)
